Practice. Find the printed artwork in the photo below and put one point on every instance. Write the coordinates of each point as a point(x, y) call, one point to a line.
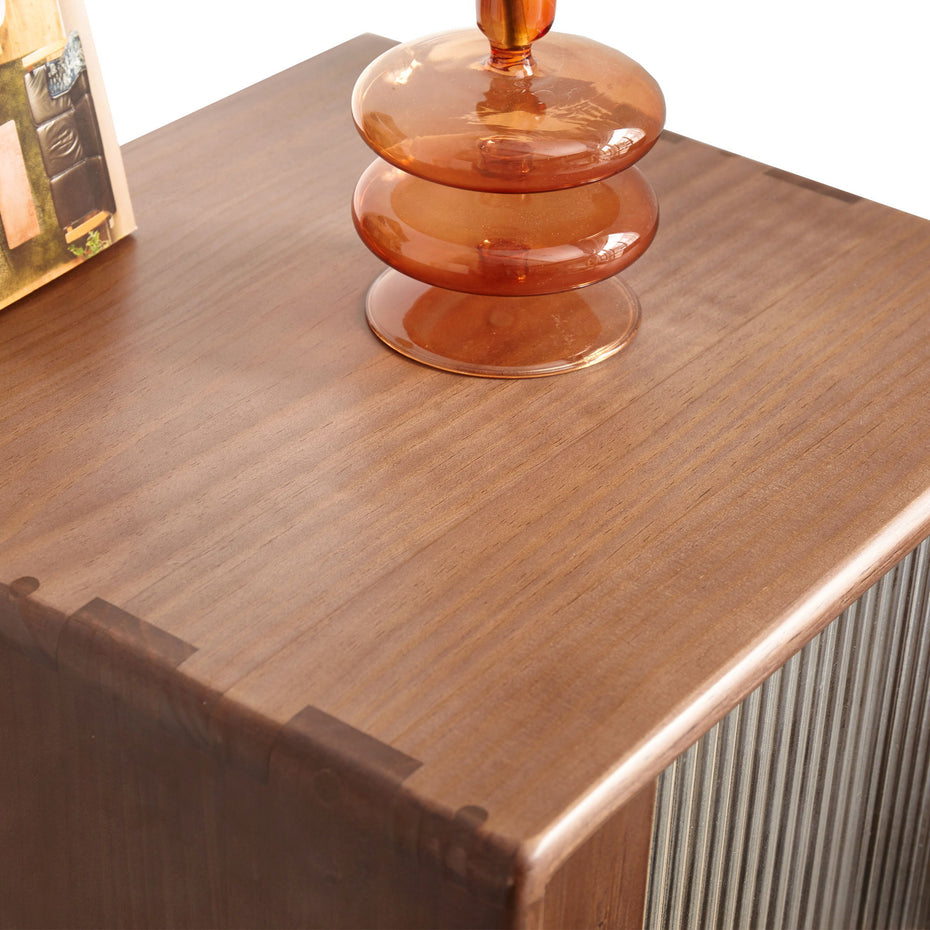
point(59, 204)
point(17, 207)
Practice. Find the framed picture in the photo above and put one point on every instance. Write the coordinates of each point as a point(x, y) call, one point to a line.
point(63, 191)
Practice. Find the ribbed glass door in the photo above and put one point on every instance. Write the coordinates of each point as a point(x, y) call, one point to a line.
point(808, 806)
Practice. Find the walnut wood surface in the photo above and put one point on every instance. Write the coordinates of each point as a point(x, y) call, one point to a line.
point(224, 501)
point(603, 883)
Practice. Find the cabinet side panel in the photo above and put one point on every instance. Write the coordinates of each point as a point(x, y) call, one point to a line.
point(603, 883)
point(110, 818)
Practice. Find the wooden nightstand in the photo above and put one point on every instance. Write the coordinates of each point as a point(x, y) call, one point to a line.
point(296, 632)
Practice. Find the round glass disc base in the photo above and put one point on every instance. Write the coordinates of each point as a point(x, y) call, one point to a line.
point(502, 337)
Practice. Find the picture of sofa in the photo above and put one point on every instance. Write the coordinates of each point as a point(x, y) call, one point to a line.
point(69, 137)
point(63, 192)
point(56, 198)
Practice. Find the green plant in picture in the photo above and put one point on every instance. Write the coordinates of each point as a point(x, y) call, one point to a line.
point(92, 245)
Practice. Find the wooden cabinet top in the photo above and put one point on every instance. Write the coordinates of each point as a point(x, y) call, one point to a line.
point(514, 601)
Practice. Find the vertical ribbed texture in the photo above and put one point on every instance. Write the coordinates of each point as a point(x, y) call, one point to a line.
point(808, 806)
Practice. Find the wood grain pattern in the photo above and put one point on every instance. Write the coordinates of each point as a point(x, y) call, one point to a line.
point(541, 591)
point(119, 822)
point(602, 885)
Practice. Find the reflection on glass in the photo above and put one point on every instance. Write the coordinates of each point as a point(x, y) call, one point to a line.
point(440, 122)
point(486, 243)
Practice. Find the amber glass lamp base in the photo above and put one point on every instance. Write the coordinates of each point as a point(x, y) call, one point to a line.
point(502, 337)
point(505, 197)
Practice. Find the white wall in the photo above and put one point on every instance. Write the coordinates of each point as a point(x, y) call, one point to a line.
point(834, 90)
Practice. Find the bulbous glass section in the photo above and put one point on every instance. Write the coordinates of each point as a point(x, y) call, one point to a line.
point(578, 113)
point(507, 244)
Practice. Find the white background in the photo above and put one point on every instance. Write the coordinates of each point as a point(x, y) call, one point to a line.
point(835, 91)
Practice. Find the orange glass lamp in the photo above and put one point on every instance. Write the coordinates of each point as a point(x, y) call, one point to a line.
point(504, 197)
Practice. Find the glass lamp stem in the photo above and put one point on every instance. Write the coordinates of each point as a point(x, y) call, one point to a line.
point(512, 26)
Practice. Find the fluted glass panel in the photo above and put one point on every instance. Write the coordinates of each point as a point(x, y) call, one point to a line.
point(808, 806)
